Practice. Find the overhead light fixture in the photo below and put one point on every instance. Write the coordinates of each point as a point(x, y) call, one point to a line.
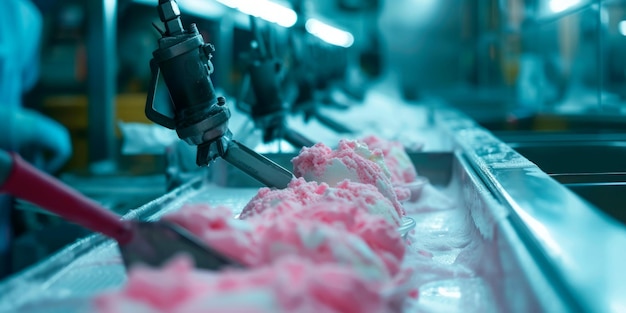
point(201, 8)
point(264, 9)
point(622, 27)
point(557, 6)
point(329, 34)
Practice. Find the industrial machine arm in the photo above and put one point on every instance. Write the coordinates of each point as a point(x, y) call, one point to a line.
point(269, 108)
point(190, 106)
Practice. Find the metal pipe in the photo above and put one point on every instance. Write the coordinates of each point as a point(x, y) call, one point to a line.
point(101, 55)
point(224, 52)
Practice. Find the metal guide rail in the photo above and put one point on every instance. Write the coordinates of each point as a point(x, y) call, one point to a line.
point(579, 249)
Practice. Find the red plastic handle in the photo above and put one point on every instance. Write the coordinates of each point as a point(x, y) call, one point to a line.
point(26, 182)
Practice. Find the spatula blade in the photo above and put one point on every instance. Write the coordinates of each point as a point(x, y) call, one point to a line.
point(155, 243)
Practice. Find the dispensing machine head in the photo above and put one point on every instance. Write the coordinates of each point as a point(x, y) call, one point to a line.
point(200, 118)
point(183, 62)
point(269, 110)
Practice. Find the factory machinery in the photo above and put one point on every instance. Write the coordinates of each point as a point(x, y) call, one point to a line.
point(542, 241)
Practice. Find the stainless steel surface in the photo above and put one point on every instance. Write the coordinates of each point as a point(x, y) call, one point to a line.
point(572, 136)
point(257, 166)
point(101, 56)
point(589, 178)
point(610, 197)
point(580, 251)
point(575, 157)
point(507, 262)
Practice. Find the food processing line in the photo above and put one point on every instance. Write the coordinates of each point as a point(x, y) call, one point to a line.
point(545, 236)
point(539, 246)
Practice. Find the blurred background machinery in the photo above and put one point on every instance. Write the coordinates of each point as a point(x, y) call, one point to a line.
point(491, 58)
